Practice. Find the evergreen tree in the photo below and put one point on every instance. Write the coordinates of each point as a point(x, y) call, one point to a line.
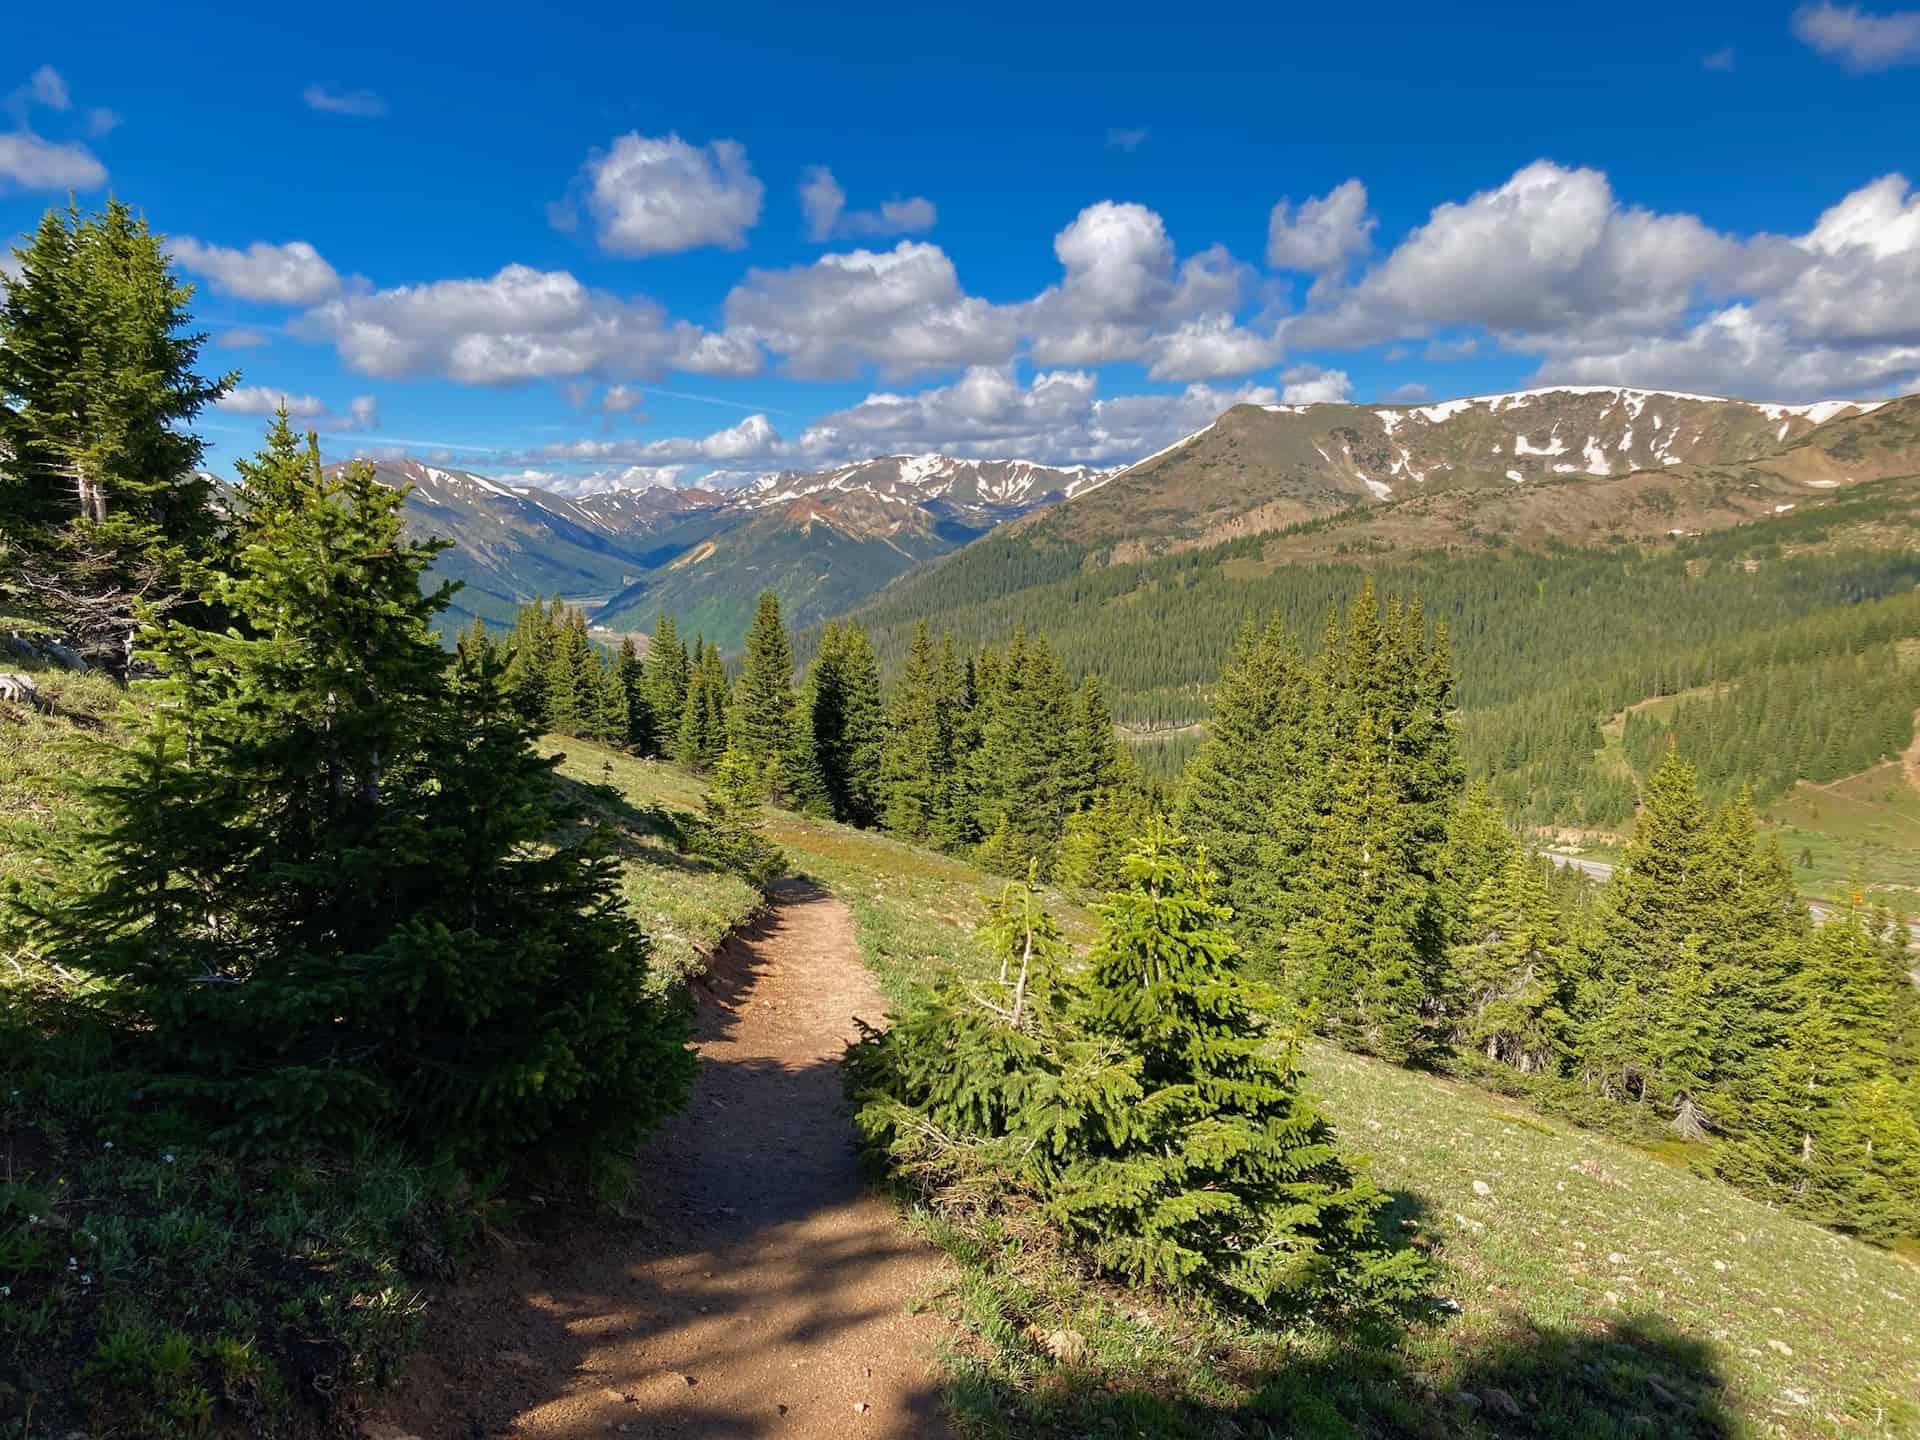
point(1188, 1150)
point(1242, 768)
point(1654, 901)
point(1023, 768)
point(1093, 755)
point(960, 715)
point(101, 500)
point(573, 696)
point(703, 722)
point(1751, 923)
point(1685, 1044)
point(668, 675)
point(1825, 1136)
point(642, 732)
point(768, 727)
point(320, 889)
point(1478, 847)
point(529, 675)
point(843, 698)
point(1143, 1103)
point(1513, 972)
point(1094, 849)
point(914, 760)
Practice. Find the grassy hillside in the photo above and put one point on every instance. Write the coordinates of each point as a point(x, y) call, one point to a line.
point(1602, 1290)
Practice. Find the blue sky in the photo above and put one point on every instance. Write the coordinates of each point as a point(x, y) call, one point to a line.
point(595, 245)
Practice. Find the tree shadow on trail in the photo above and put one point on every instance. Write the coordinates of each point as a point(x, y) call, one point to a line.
point(757, 1288)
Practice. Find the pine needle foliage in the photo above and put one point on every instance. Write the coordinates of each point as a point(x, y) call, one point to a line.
point(1141, 1104)
point(328, 890)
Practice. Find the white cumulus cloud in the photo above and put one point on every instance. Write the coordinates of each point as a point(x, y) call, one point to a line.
point(659, 195)
point(362, 412)
point(518, 324)
point(902, 310)
point(1310, 385)
point(291, 274)
point(30, 161)
point(1321, 234)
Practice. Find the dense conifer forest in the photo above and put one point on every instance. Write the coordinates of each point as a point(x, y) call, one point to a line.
point(1791, 617)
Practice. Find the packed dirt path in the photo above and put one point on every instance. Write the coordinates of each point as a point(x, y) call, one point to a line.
point(766, 1292)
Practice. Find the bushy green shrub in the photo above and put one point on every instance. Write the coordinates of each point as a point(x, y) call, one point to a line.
point(1140, 1105)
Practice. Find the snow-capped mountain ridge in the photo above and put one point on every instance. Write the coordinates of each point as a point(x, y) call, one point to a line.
point(1449, 437)
point(962, 485)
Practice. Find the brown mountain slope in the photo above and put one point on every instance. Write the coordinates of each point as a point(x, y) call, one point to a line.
point(1262, 468)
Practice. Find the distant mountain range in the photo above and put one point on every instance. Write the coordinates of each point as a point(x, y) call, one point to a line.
point(1569, 463)
point(823, 540)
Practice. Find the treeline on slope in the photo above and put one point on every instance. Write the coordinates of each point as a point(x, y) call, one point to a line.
point(1820, 721)
point(1396, 914)
point(1549, 644)
point(313, 921)
point(997, 754)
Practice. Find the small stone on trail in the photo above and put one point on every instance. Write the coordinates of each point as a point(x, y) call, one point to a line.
point(859, 1407)
point(1482, 1189)
point(1616, 1258)
point(690, 1380)
point(1782, 1346)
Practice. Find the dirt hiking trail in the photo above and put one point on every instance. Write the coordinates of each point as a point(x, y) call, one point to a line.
point(765, 1292)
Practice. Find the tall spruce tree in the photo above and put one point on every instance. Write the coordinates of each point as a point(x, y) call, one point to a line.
point(842, 697)
point(1242, 770)
point(320, 888)
point(642, 732)
point(668, 674)
point(101, 502)
point(956, 822)
point(768, 727)
point(1024, 766)
point(915, 761)
point(703, 736)
point(1825, 1136)
point(1654, 901)
point(1513, 973)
